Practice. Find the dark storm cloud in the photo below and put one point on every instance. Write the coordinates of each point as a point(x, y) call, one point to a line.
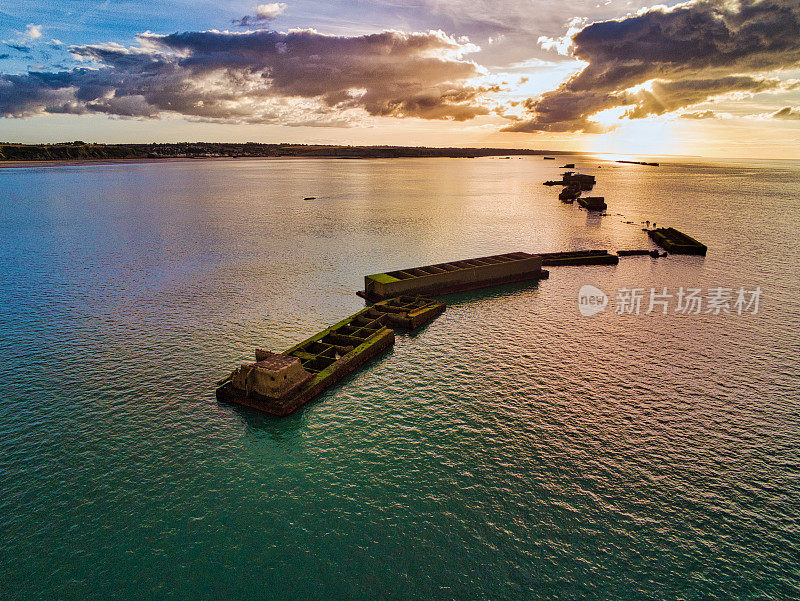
point(252, 77)
point(694, 51)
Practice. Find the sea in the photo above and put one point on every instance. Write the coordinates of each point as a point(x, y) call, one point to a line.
point(518, 447)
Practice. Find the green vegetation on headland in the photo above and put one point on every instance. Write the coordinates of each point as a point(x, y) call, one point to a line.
point(80, 151)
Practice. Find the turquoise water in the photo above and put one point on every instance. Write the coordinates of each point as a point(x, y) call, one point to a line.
point(513, 449)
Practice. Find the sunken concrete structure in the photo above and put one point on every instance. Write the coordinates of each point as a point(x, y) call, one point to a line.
point(455, 276)
point(639, 163)
point(272, 375)
point(593, 203)
point(677, 242)
point(579, 257)
point(641, 253)
point(409, 312)
point(280, 383)
point(569, 194)
point(578, 180)
point(584, 182)
point(309, 367)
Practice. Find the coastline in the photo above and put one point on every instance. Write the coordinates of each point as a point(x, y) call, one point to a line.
point(82, 153)
point(77, 162)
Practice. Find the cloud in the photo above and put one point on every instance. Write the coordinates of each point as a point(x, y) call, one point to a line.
point(34, 32)
point(513, 25)
point(262, 14)
point(18, 47)
point(786, 112)
point(267, 12)
point(668, 96)
point(665, 59)
point(562, 44)
point(27, 41)
point(699, 115)
point(260, 77)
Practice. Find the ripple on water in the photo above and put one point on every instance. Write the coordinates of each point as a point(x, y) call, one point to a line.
point(512, 449)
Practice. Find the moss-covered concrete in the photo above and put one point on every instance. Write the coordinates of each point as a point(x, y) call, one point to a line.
point(677, 242)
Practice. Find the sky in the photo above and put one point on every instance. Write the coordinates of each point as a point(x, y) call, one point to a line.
point(717, 78)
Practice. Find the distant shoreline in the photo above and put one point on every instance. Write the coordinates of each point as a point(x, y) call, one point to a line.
point(75, 162)
point(79, 152)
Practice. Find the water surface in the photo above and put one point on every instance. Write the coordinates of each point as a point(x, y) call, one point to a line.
point(511, 450)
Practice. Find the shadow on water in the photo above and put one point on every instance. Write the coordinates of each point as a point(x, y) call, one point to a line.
point(278, 429)
point(488, 293)
point(593, 219)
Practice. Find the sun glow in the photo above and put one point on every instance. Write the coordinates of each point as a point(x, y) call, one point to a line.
point(610, 117)
point(636, 136)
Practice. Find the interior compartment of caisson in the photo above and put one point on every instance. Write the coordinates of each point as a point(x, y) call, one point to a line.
point(343, 340)
point(329, 352)
point(317, 364)
point(401, 275)
point(316, 348)
point(447, 267)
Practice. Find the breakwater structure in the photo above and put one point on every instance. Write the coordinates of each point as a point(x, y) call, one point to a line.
point(639, 163)
point(654, 253)
point(581, 181)
point(569, 194)
point(280, 383)
point(454, 276)
point(409, 312)
point(579, 257)
point(634, 253)
point(593, 203)
point(676, 242)
point(574, 185)
point(570, 178)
